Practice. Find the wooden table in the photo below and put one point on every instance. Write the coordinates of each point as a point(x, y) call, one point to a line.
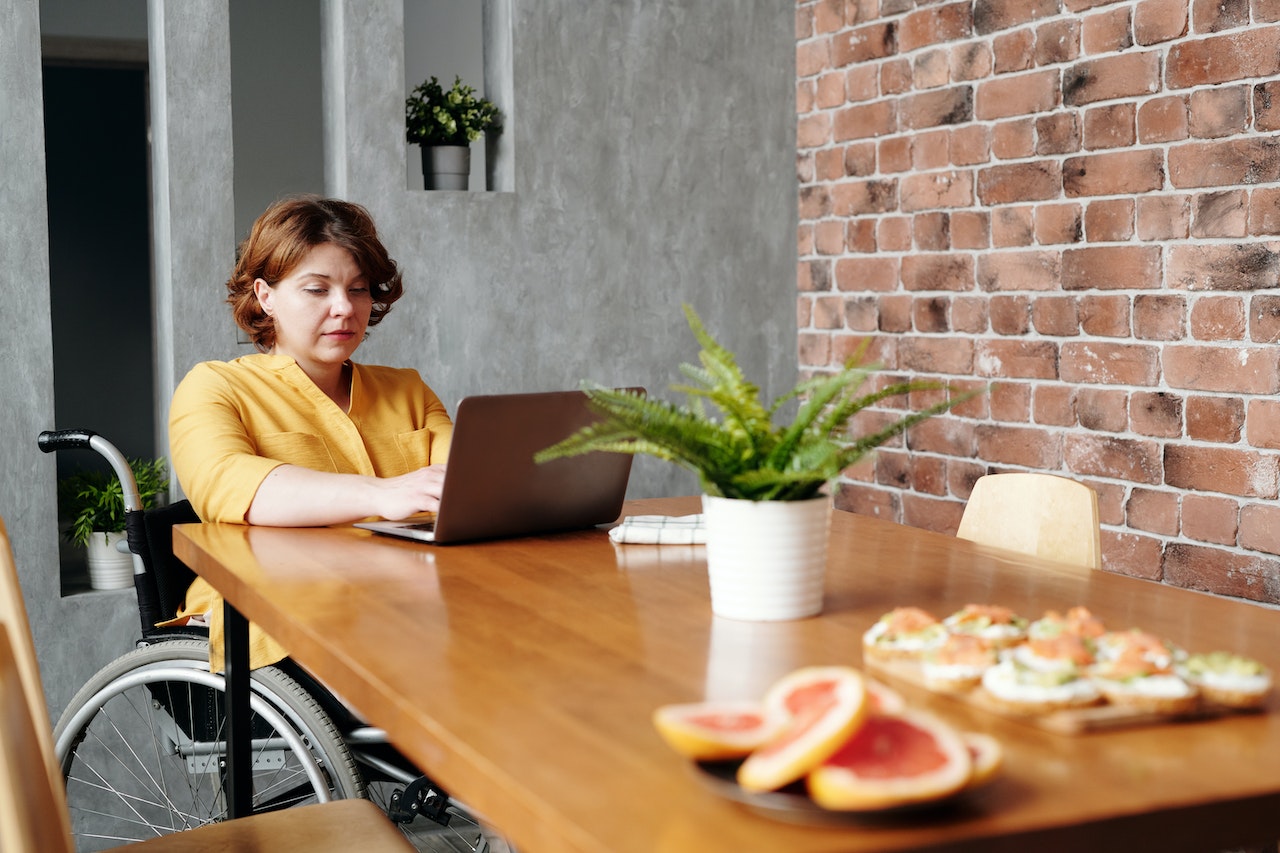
point(521, 676)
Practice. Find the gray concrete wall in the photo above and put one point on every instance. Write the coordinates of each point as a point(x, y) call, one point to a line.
point(648, 160)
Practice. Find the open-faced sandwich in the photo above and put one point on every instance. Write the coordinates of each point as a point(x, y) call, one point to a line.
point(1021, 689)
point(1226, 679)
point(1133, 677)
point(903, 633)
point(957, 664)
point(999, 626)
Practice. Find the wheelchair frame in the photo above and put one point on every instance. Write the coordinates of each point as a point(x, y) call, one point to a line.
point(142, 745)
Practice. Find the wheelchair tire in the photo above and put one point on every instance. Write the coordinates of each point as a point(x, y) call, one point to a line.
point(142, 751)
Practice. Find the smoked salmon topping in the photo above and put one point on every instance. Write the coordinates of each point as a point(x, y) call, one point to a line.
point(909, 620)
point(1062, 647)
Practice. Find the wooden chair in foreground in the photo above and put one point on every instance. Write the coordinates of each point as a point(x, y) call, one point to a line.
point(1043, 515)
point(33, 809)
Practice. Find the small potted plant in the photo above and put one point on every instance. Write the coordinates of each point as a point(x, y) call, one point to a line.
point(445, 124)
point(764, 484)
point(93, 502)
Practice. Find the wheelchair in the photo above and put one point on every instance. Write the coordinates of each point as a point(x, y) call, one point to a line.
point(142, 745)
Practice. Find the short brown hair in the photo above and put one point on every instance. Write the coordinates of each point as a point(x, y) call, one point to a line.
point(284, 234)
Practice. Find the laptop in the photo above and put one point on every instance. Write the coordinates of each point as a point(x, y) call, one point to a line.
point(493, 488)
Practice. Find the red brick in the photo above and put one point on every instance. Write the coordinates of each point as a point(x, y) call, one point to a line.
point(828, 237)
point(991, 16)
point(827, 312)
point(1225, 163)
point(893, 234)
point(970, 145)
point(813, 131)
point(861, 236)
point(812, 57)
point(1017, 95)
point(1155, 413)
point(830, 91)
point(1102, 409)
point(1107, 32)
point(1012, 227)
point(929, 150)
point(1220, 59)
point(1058, 42)
point(1058, 133)
point(862, 314)
point(892, 469)
point(883, 350)
point(1127, 75)
point(1054, 405)
point(1264, 319)
point(970, 61)
point(1266, 10)
point(1219, 214)
point(943, 435)
point(938, 515)
point(970, 229)
point(895, 313)
point(1109, 220)
point(936, 355)
point(937, 107)
point(1218, 318)
point(861, 121)
point(1220, 111)
point(1246, 266)
point(1221, 470)
point(814, 275)
point(1096, 362)
point(1111, 268)
point(1164, 218)
point(895, 76)
point(804, 311)
point(895, 154)
point(1013, 139)
point(860, 159)
point(931, 231)
point(814, 349)
point(1110, 126)
point(1165, 119)
point(866, 500)
point(937, 189)
point(1153, 511)
point(1019, 271)
point(1264, 211)
point(1220, 572)
point(951, 22)
point(1260, 528)
point(1019, 182)
point(1013, 51)
point(828, 16)
point(1133, 555)
point(1156, 21)
point(962, 475)
point(1218, 15)
point(1017, 359)
point(1222, 369)
point(1210, 518)
point(862, 83)
point(1113, 173)
point(1027, 446)
point(1218, 419)
point(1266, 105)
point(1010, 402)
point(1105, 316)
point(1262, 424)
point(863, 44)
point(815, 202)
point(1055, 315)
point(937, 272)
point(853, 198)
point(1010, 315)
point(874, 273)
point(1135, 460)
point(1058, 223)
point(969, 315)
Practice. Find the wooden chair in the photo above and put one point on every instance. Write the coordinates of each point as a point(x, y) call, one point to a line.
point(33, 809)
point(1043, 515)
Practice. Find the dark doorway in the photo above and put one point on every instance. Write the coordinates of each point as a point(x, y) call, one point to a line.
point(96, 152)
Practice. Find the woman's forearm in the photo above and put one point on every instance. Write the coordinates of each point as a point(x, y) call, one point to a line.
point(293, 496)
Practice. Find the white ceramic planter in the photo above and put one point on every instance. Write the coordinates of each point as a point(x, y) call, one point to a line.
point(446, 167)
point(766, 560)
point(108, 568)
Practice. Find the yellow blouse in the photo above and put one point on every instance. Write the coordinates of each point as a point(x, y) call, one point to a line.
point(231, 423)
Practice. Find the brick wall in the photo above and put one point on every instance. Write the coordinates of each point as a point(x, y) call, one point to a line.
point(1076, 200)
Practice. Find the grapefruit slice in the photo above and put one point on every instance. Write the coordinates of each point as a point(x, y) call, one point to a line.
point(985, 757)
point(715, 731)
point(883, 699)
point(823, 706)
point(893, 760)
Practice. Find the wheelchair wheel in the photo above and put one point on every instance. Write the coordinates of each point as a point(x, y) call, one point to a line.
point(142, 746)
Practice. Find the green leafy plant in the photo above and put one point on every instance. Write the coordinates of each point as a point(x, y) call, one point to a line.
point(94, 501)
point(743, 454)
point(433, 116)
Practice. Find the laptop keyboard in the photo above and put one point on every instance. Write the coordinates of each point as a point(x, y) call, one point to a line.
point(421, 525)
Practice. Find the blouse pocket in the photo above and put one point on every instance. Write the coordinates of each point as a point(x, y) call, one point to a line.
point(298, 448)
point(415, 448)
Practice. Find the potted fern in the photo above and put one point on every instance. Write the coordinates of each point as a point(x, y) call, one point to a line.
point(445, 124)
point(765, 500)
point(93, 502)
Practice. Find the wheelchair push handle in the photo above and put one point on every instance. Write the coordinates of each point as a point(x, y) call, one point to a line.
point(78, 439)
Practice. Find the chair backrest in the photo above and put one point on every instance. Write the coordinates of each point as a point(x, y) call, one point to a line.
point(1043, 515)
point(163, 587)
point(32, 800)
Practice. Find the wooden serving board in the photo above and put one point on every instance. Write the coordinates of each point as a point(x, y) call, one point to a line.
point(1068, 722)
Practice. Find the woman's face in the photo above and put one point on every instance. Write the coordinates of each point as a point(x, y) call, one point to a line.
point(320, 310)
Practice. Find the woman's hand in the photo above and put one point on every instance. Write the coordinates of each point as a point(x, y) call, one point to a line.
point(293, 496)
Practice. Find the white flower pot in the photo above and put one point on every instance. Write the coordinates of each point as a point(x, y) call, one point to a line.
point(108, 567)
point(766, 560)
point(446, 167)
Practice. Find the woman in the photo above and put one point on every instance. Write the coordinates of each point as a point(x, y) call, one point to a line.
point(298, 434)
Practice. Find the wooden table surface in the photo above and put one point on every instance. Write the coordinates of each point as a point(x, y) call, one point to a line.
point(521, 676)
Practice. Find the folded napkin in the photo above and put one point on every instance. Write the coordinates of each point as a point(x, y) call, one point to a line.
point(660, 530)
